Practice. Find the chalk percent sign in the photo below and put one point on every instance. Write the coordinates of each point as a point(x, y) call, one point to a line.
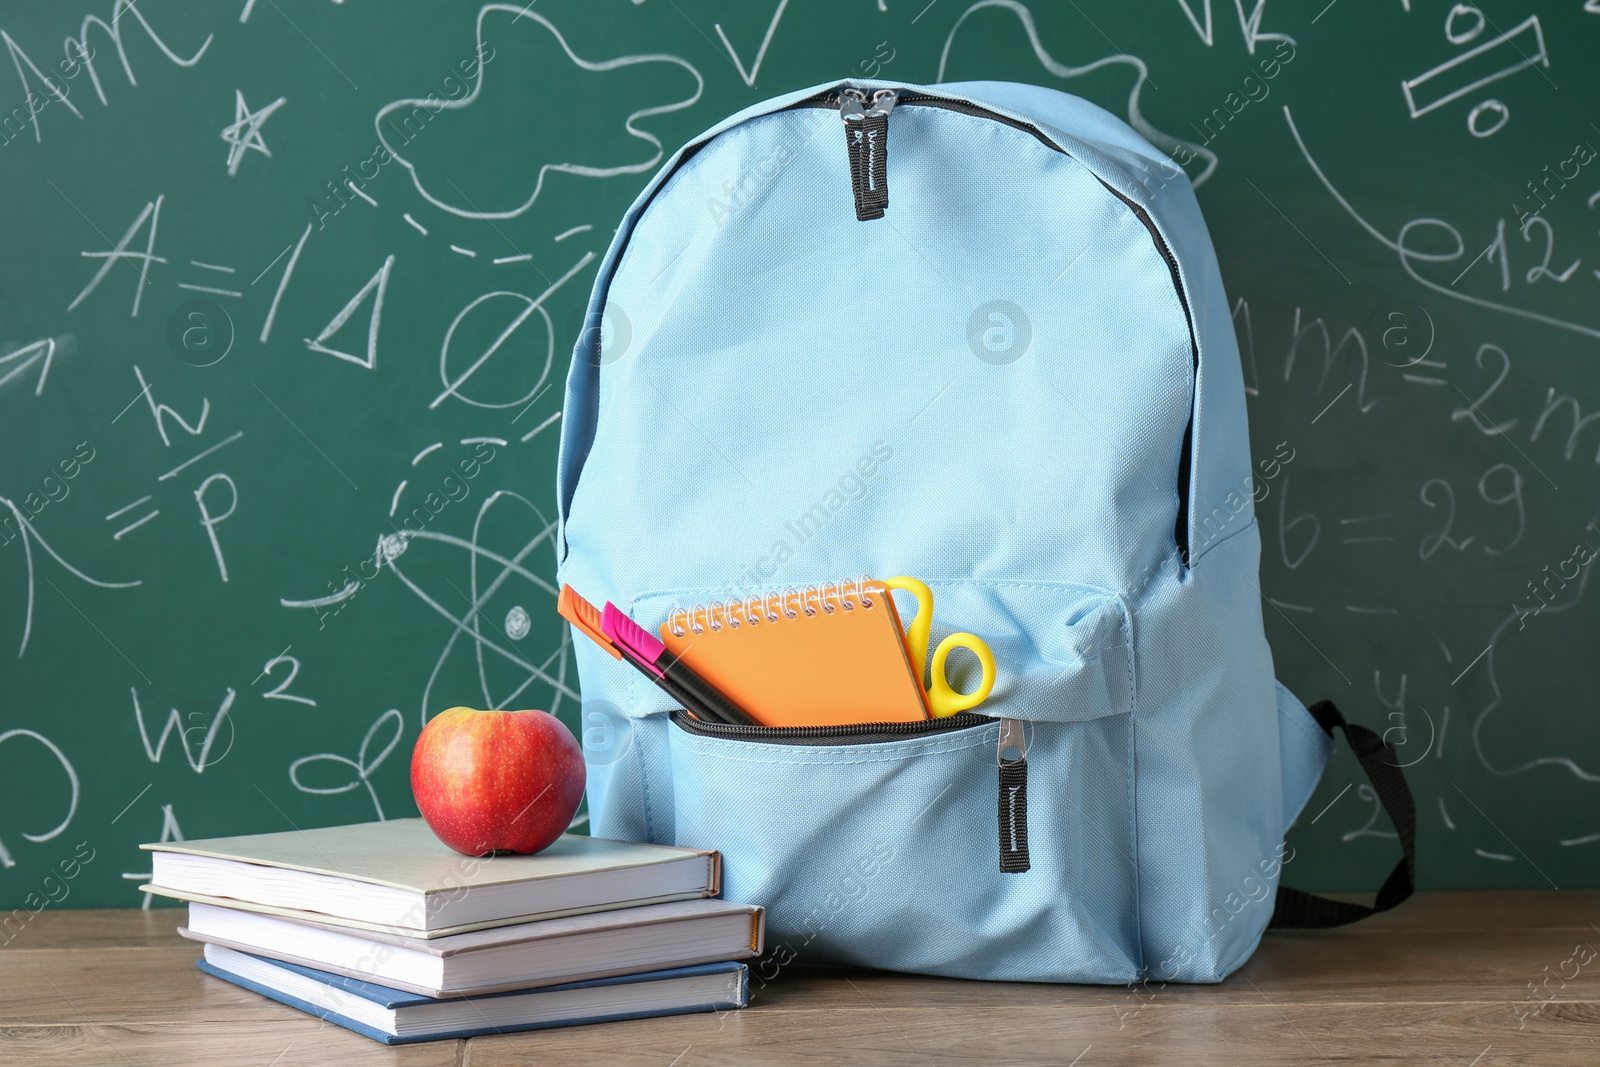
point(1500, 56)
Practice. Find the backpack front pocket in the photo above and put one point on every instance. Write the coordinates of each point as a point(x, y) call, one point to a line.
point(881, 849)
point(886, 844)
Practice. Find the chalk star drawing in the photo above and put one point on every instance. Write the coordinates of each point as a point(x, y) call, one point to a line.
point(245, 133)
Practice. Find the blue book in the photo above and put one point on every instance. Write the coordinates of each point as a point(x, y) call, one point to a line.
point(396, 1017)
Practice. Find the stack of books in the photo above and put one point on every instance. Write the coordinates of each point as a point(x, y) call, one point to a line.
point(385, 930)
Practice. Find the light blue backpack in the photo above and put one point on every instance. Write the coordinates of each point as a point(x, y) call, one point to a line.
point(973, 333)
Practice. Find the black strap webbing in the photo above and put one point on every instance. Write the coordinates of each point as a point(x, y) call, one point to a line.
point(1298, 910)
point(867, 144)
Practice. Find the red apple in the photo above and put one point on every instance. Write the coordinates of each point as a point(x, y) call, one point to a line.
point(497, 781)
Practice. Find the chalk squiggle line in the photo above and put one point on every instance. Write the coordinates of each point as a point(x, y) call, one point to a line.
point(1398, 246)
point(363, 765)
point(522, 12)
point(1571, 765)
point(1164, 141)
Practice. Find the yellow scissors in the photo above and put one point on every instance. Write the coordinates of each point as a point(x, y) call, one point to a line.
point(943, 700)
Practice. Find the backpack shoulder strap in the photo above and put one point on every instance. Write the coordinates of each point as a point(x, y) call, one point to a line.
point(1297, 910)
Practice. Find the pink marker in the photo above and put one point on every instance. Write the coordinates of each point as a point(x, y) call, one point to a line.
point(639, 645)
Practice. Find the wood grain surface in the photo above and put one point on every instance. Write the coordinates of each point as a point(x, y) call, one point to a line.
point(1467, 979)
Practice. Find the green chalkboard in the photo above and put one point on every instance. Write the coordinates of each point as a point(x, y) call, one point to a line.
point(289, 287)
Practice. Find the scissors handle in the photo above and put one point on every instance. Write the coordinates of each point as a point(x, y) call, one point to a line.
point(921, 624)
point(943, 699)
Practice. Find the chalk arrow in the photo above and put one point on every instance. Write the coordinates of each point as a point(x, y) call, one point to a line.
point(18, 362)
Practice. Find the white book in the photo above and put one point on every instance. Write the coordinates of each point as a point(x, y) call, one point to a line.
point(549, 952)
point(397, 876)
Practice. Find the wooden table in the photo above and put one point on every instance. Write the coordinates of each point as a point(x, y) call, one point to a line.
point(1442, 980)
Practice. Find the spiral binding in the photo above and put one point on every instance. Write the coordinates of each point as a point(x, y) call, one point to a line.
point(853, 594)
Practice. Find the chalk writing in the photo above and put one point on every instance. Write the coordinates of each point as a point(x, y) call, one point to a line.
point(72, 783)
point(367, 761)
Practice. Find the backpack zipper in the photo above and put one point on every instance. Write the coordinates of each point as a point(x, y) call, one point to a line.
point(866, 137)
point(1011, 755)
point(857, 733)
point(868, 184)
point(835, 99)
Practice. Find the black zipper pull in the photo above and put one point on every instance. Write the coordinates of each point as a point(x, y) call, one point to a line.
point(866, 131)
point(1013, 759)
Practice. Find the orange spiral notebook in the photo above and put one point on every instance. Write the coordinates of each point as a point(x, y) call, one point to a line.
point(825, 655)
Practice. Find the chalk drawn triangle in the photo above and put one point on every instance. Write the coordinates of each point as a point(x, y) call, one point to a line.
point(375, 287)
